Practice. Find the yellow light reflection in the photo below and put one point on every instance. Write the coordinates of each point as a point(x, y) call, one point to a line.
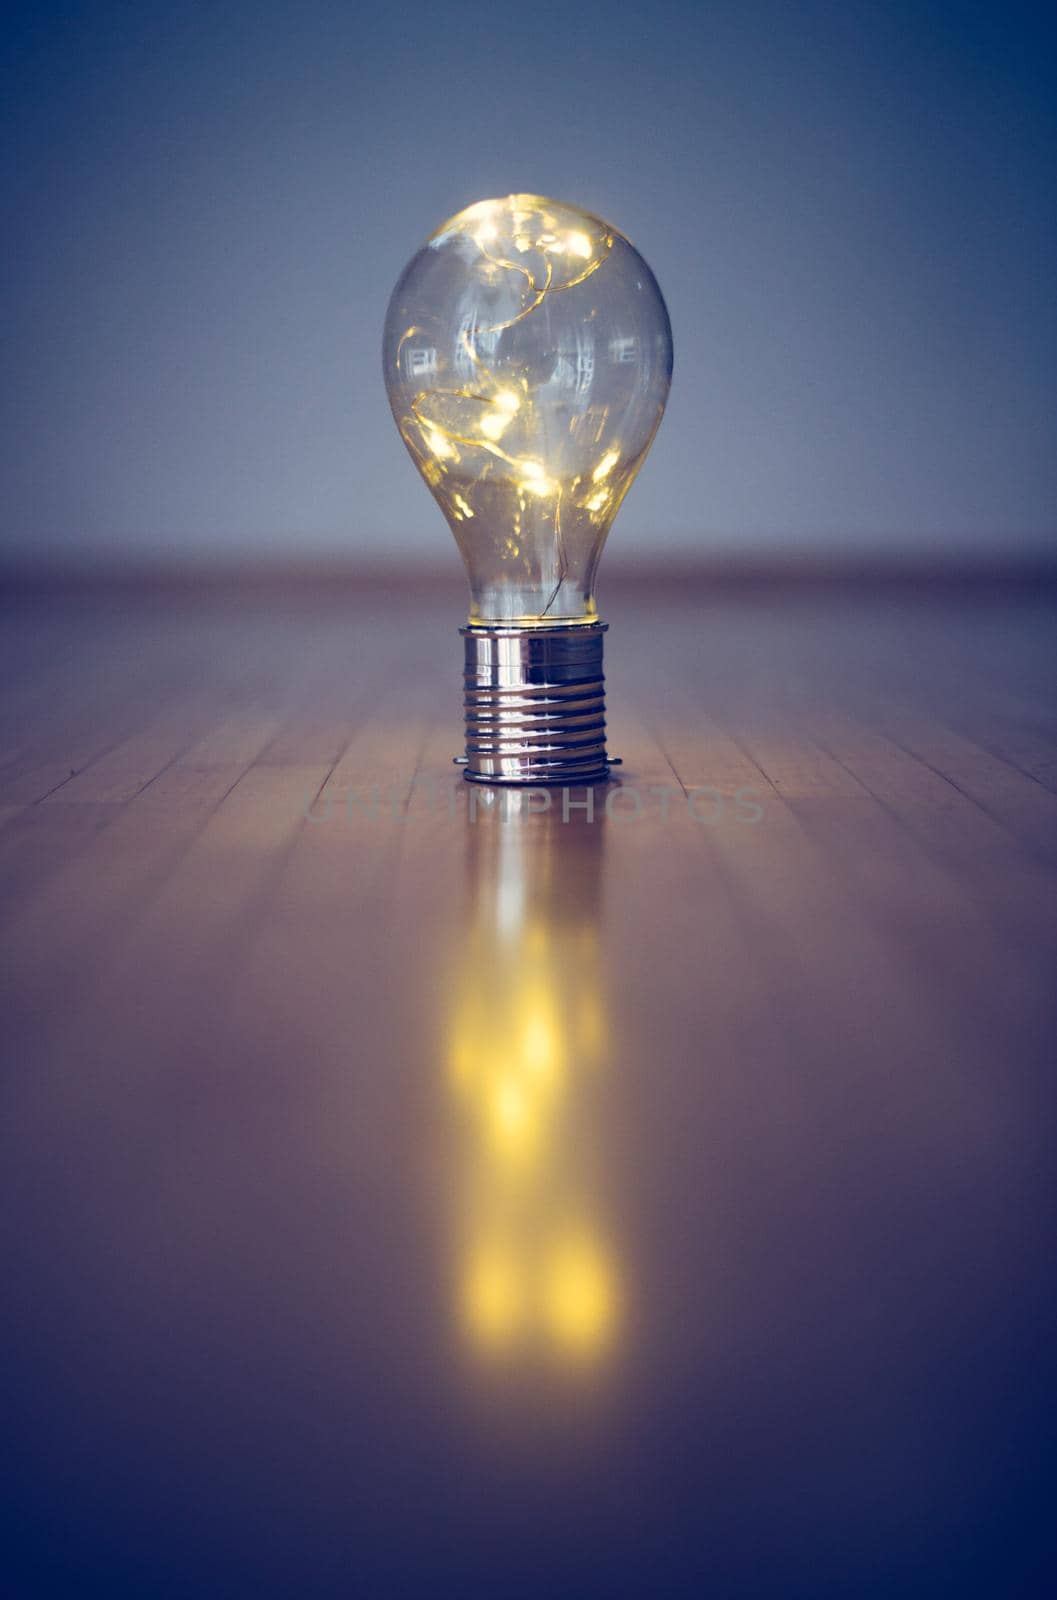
point(493, 1298)
point(512, 1117)
point(579, 1296)
point(536, 1270)
point(540, 1047)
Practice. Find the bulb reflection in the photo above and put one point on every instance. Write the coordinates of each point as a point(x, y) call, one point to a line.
point(527, 1040)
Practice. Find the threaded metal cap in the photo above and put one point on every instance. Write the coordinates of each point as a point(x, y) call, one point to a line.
point(535, 705)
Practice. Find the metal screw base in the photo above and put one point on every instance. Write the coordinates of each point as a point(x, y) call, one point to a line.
point(535, 705)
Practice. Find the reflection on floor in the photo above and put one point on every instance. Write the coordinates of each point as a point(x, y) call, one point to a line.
point(527, 1053)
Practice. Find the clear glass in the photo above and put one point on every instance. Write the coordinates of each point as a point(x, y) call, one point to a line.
point(528, 357)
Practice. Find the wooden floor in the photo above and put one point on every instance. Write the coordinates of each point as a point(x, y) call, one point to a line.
point(404, 1197)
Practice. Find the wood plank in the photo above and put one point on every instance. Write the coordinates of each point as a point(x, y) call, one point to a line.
point(798, 1074)
point(1013, 797)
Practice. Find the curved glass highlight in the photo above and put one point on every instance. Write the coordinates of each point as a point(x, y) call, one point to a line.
point(528, 357)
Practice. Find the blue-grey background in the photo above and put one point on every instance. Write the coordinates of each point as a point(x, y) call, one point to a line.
point(850, 208)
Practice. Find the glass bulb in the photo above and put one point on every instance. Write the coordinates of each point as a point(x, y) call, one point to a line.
point(528, 357)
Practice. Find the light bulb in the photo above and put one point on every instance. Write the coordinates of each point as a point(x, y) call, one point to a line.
point(528, 357)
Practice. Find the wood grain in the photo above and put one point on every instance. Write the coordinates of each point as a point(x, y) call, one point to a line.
point(794, 979)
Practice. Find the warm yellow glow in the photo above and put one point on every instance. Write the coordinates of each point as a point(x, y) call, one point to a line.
point(481, 209)
point(533, 479)
point(579, 1297)
point(539, 1047)
point(497, 419)
point(494, 424)
point(509, 354)
point(511, 1116)
point(534, 1274)
point(493, 1297)
point(598, 500)
point(438, 444)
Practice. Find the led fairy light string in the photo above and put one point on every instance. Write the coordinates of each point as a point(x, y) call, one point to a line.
point(527, 385)
point(499, 408)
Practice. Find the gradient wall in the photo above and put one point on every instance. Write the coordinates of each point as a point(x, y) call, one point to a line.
point(850, 208)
